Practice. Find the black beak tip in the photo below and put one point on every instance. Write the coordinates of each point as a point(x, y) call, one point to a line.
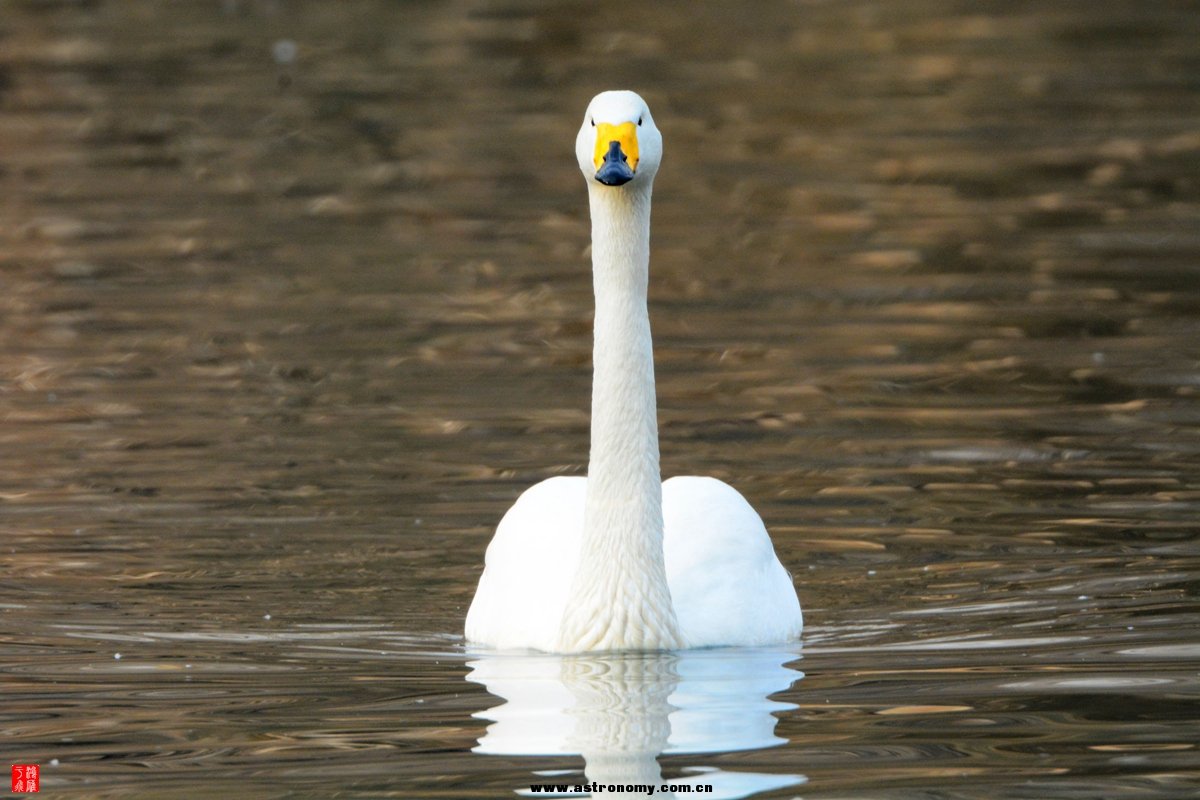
point(614, 173)
point(615, 170)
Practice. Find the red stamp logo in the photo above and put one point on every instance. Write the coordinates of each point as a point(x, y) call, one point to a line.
point(26, 777)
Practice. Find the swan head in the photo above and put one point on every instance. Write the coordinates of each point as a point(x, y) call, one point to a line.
point(618, 142)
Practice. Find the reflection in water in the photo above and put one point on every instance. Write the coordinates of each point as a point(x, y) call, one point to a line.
point(621, 711)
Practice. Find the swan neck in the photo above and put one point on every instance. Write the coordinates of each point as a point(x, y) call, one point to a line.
point(620, 599)
point(624, 455)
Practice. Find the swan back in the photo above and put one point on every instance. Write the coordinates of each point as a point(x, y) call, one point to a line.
point(528, 568)
point(727, 584)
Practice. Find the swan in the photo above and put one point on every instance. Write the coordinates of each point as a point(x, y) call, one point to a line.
point(620, 560)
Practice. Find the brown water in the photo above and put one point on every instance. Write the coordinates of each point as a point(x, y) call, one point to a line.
point(296, 301)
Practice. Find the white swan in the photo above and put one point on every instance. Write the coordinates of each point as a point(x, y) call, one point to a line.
point(618, 560)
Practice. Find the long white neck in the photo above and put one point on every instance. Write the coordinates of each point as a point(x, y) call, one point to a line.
point(619, 597)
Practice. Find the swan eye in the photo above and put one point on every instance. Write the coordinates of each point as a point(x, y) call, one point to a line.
point(639, 122)
point(593, 122)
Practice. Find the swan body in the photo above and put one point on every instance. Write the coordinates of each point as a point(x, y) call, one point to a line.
point(726, 585)
point(620, 560)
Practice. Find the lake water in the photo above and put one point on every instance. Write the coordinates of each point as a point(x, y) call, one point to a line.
point(296, 300)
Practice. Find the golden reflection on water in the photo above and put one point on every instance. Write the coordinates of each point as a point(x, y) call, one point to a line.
point(296, 300)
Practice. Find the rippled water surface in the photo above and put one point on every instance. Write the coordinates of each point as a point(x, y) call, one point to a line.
point(296, 300)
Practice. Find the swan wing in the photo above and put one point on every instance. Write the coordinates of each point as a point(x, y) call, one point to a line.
point(727, 585)
point(528, 568)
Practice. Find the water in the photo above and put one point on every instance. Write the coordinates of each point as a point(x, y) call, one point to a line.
point(296, 301)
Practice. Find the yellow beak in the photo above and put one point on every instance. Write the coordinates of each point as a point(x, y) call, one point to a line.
point(624, 135)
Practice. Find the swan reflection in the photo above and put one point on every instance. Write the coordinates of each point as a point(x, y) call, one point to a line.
point(619, 711)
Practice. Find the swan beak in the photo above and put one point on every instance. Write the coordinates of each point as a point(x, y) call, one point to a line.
point(616, 154)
